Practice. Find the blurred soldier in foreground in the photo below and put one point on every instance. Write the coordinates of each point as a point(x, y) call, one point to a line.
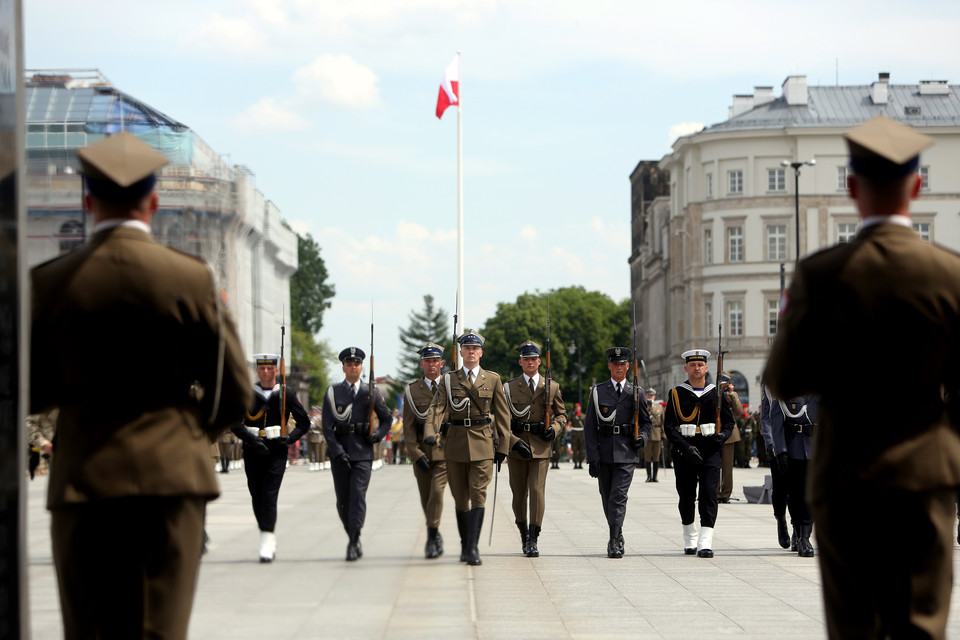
point(429, 467)
point(265, 447)
point(526, 398)
point(132, 477)
point(653, 449)
point(350, 442)
point(883, 482)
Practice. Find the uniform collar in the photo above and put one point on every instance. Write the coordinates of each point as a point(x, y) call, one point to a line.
point(903, 221)
point(535, 378)
point(110, 223)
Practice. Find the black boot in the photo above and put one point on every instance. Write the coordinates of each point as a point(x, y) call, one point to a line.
point(475, 526)
point(615, 544)
point(656, 466)
point(522, 526)
point(430, 550)
point(438, 540)
point(649, 468)
point(531, 546)
point(783, 535)
point(224, 465)
point(463, 525)
point(793, 539)
point(353, 552)
point(804, 548)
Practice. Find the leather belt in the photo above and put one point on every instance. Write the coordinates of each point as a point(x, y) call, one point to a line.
point(608, 430)
point(536, 428)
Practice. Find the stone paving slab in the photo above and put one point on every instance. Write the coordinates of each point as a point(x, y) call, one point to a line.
point(751, 589)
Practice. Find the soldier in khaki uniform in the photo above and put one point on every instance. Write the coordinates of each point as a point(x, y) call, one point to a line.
point(316, 447)
point(429, 467)
point(527, 400)
point(470, 420)
point(225, 450)
point(725, 489)
point(575, 427)
point(884, 479)
point(653, 448)
point(132, 476)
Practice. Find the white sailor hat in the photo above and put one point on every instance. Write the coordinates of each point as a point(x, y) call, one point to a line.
point(352, 353)
point(695, 355)
point(431, 350)
point(470, 337)
point(266, 358)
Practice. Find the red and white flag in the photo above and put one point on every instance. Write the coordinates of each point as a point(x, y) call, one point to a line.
point(449, 87)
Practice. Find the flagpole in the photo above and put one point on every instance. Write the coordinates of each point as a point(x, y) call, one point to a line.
point(460, 197)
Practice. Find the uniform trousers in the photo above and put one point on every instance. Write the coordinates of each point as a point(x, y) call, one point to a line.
point(779, 491)
point(528, 478)
point(691, 477)
point(797, 492)
point(350, 486)
point(128, 567)
point(614, 480)
point(725, 488)
point(317, 451)
point(577, 446)
point(264, 476)
point(226, 453)
point(468, 482)
point(431, 485)
point(651, 451)
point(870, 591)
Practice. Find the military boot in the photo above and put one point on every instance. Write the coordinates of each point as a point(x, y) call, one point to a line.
point(524, 532)
point(430, 551)
point(649, 466)
point(690, 534)
point(705, 543)
point(353, 552)
point(614, 547)
point(783, 535)
point(532, 551)
point(463, 525)
point(793, 539)
point(804, 548)
point(438, 540)
point(475, 525)
point(656, 466)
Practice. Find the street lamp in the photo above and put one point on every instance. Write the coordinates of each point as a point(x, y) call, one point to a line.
point(796, 195)
point(572, 348)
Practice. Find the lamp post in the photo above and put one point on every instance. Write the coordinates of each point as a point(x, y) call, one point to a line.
point(574, 347)
point(796, 196)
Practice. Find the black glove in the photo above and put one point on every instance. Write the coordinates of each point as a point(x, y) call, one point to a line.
point(782, 462)
point(694, 455)
point(374, 438)
point(718, 438)
point(549, 434)
point(284, 440)
point(523, 449)
point(430, 441)
point(638, 443)
point(260, 447)
point(593, 470)
point(344, 459)
point(499, 458)
point(423, 463)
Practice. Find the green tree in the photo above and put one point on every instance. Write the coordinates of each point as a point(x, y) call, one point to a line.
point(310, 294)
point(427, 325)
point(590, 319)
point(313, 355)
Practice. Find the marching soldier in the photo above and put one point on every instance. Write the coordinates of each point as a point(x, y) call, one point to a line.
point(316, 447)
point(429, 467)
point(744, 449)
point(690, 425)
point(526, 398)
point(575, 426)
point(265, 447)
point(225, 448)
point(346, 428)
point(470, 419)
point(653, 448)
point(612, 451)
point(725, 489)
point(788, 433)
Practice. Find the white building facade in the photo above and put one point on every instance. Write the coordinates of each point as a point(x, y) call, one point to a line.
point(713, 252)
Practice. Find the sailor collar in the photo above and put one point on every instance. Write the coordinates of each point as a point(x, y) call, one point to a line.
point(697, 392)
point(265, 393)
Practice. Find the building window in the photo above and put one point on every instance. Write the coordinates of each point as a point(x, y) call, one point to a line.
point(736, 181)
point(923, 229)
point(846, 231)
point(708, 317)
point(709, 178)
point(777, 242)
point(842, 178)
point(773, 313)
point(925, 176)
point(735, 317)
point(707, 246)
point(735, 244)
point(776, 180)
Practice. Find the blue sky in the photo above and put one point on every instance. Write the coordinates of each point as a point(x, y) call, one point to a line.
point(331, 105)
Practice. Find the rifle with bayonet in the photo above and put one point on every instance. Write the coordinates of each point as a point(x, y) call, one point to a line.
point(546, 396)
point(371, 414)
point(720, 353)
point(453, 345)
point(636, 376)
point(283, 375)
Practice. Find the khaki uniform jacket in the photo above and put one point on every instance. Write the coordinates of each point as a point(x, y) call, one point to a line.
point(413, 426)
point(656, 420)
point(476, 442)
point(520, 395)
point(123, 330)
point(886, 303)
point(737, 409)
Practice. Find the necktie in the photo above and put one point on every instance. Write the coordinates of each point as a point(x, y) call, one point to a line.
point(470, 377)
point(532, 389)
point(353, 391)
point(618, 389)
point(433, 386)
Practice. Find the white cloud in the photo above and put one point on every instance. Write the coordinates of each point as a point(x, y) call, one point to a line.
point(227, 37)
point(337, 80)
point(680, 130)
point(268, 115)
point(528, 232)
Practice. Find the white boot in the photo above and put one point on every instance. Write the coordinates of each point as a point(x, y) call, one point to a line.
point(268, 546)
point(705, 543)
point(690, 538)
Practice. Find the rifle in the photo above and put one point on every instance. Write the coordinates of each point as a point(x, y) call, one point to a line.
point(720, 353)
point(546, 396)
point(283, 375)
point(373, 381)
point(636, 375)
point(453, 345)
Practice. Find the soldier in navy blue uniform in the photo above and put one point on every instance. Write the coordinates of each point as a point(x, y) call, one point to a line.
point(612, 451)
point(690, 424)
point(265, 448)
point(787, 429)
point(346, 428)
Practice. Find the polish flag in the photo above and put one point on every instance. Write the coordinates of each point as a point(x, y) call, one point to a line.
point(449, 87)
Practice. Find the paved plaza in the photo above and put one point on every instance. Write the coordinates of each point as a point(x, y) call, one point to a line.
point(751, 589)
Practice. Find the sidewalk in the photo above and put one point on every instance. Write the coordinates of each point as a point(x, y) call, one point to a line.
point(751, 589)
